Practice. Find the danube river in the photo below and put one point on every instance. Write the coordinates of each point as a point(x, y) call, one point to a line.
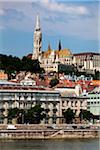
point(83, 144)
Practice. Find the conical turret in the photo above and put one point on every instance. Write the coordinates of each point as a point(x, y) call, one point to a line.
point(49, 47)
point(59, 45)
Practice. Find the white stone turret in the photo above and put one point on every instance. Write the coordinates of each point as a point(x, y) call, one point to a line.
point(37, 27)
point(37, 40)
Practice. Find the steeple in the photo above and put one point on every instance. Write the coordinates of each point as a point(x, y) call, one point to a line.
point(49, 47)
point(37, 27)
point(59, 46)
point(37, 43)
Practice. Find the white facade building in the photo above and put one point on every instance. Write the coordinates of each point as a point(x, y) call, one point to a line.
point(88, 61)
point(25, 97)
point(93, 102)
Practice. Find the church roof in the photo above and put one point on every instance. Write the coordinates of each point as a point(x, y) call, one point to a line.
point(47, 53)
point(64, 53)
point(61, 53)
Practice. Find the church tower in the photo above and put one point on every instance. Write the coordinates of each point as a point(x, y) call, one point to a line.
point(37, 40)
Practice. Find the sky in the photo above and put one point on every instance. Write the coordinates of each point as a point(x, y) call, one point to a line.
point(74, 22)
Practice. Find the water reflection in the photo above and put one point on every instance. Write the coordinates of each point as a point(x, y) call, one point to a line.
point(87, 144)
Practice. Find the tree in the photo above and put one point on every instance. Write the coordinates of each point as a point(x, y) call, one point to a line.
point(96, 75)
point(54, 82)
point(13, 113)
point(69, 115)
point(67, 69)
point(13, 65)
point(86, 115)
point(34, 115)
point(30, 65)
point(16, 113)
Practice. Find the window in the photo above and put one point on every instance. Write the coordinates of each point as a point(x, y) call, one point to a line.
point(88, 103)
point(76, 104)
point(62, 103)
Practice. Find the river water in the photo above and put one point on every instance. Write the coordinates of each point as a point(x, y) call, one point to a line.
point(83, 144)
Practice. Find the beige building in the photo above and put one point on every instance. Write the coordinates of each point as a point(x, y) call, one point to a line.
point(75, 103)
point(88, 61)
point(52, 58)
point(53, 102)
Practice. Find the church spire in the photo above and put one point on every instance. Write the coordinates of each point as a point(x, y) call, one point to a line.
point(49, 47)
point(59, 46)
point(37, 40)
point(37, 23)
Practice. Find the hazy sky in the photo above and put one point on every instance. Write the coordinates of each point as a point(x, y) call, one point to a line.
point(75, 23)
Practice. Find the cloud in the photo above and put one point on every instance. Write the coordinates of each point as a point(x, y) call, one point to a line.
point(65, 8)
point(53, 5)
point(12, 14)
point(57, 18)
point(2, 27)
point(1, 12)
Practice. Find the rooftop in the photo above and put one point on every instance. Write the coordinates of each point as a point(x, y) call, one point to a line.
point(86, 53)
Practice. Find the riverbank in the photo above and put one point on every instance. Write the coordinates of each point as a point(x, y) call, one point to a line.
point(48, 134)
point(45, 132)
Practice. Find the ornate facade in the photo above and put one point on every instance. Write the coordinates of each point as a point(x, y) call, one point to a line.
point(51, 59)
point(37, 40)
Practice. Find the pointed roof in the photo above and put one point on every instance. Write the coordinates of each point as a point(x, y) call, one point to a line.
point(37, 27)
point(59, 46)
point(49, 47)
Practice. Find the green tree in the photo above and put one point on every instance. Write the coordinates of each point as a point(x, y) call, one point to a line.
point(16, 113)
point(86, 115)
point(96, 75)
point(67, 69)
point(34, 115)
point(13, 113)
point(13, 65)
point(54, 82)
point(69, 115)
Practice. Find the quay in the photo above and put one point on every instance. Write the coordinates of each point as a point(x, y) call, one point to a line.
point(40, 132)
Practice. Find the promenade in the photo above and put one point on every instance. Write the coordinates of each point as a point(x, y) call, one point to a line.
point(47, 132)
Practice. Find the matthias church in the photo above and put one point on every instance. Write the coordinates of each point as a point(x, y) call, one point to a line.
point(50, 59)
